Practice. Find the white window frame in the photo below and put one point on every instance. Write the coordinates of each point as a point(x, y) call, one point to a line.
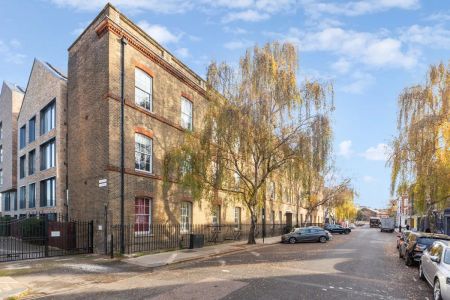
point(48, 150)
point(143, 84)
point(144, 214)
point(49, 202)
point(185, 216)
point(186, 114)
point(140, 152)
point(48, 118)
point(215, 215)
point(237, 217)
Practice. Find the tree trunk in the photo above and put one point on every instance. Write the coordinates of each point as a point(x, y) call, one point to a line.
point(251, 234)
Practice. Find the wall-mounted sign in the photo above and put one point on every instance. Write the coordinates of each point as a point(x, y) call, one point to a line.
point(55, 233)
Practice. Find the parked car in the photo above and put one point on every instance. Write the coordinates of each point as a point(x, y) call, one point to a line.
point(329, 235)
point(401, 237)
point(417, 242)
point(305, 234)
point(334, 228)
point(435, 269)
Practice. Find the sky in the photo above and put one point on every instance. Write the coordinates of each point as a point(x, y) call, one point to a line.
point(370, 49)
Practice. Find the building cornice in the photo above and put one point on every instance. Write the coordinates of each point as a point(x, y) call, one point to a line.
point(108, 25)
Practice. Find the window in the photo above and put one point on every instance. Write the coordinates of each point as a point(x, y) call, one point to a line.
point(143, 89)
point(48, 192)
point(1, 177)
point(32, 130)
point(186, 216)
point(1, 154)
point(32, 195)
point(216, 215)
point(22, 197)
point(237, 217)
point(143, 215)
point(273, 217)
point(48, 155)
point(186, 113)
point(280, 217)
point(7, 201)
point(14, 199)
point(143, 153)
point(31, 162)
point(272, 190)
point(1, 130)
point(237, 180)
point(22, 136)
point(48, 117)
point(22, 167)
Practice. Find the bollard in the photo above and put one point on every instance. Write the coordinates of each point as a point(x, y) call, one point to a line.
point(112, 246)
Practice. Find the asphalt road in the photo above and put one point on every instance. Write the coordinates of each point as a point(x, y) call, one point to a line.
point(362, 265)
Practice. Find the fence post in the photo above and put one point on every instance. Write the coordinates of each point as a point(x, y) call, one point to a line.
point(112, 245)
point(91, 237)
point(45, 236)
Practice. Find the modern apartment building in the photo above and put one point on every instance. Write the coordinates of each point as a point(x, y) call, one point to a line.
point(10, 102)
point(41, 154)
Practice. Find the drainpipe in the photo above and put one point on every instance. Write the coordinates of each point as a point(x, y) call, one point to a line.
point(123, 43)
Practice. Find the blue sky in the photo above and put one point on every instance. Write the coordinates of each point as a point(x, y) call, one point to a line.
point(370, 49)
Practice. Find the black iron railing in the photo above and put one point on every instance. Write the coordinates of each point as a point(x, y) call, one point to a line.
point(161, 237)
point(38, 237)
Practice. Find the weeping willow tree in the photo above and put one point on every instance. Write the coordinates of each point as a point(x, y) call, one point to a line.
point(253, 128)
point(344, 206)
point(420, 160)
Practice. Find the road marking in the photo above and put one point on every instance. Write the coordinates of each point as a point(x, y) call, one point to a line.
point(255, 253)
point(222, 262)
point(226, 271)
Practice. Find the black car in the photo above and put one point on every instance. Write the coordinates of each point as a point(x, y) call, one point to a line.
point(334, 228)
point(416, 243)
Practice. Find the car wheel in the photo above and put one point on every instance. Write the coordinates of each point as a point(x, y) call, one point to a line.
point(323, 239)
point(437, 290)
point(421, 276)
point(292, 240)
point(347, 231)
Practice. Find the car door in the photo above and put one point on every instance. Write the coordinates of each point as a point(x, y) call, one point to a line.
point(302, 235)
point(434, 266)
point(426, 262)
point(307, 235)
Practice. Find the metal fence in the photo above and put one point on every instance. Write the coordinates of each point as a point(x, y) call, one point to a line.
point(38, 237)
point(161, 237)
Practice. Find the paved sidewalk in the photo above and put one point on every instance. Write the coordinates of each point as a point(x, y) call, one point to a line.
point(178, 256)
point(10, 287)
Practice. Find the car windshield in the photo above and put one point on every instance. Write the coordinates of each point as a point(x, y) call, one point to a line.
point(447, 257)
point(425, 241)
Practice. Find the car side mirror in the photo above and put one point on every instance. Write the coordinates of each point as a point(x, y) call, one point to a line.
point(435, 259)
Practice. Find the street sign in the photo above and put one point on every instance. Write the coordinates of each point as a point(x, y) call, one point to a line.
point(102, 182)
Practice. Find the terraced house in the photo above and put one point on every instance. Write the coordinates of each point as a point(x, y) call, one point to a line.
point(10, 102)
point(69, 149)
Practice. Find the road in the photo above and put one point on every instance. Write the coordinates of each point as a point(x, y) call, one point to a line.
point(362, 265)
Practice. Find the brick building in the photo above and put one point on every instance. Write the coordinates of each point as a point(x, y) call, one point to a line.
point(42, 130)
point(10, 102)
point(163, 99)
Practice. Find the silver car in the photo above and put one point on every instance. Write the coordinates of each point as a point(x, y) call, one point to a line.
point(435, 268)
point(305, 234)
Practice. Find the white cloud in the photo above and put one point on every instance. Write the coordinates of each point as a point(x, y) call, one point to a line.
point(431, 36)
point(166, 6)
point(316, 8)
point(159, 33)
point(235, 30)
point(439, 17)
point(368, 179)
point(9, 51)
point(183, 52)
point(247, 16)
point(380, 152)
point(234, 45)
point(341, 66)
point(374, 50)
point(345, 149)
point(360, 82)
